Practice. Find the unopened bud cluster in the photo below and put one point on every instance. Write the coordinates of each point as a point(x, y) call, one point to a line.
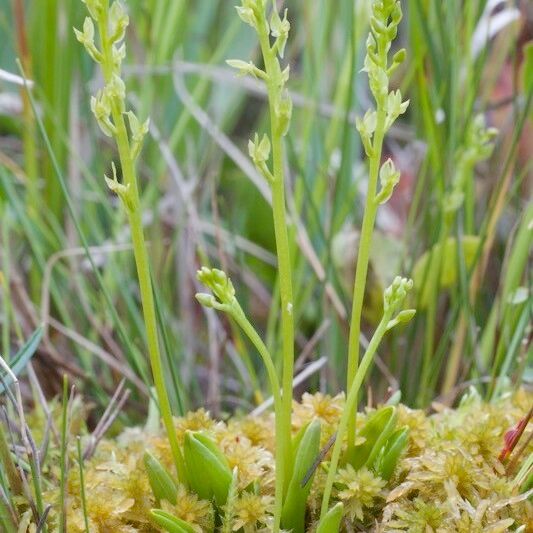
point(223, 293)
point(393, 298)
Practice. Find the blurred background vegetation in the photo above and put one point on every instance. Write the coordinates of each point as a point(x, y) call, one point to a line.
point(460, 222)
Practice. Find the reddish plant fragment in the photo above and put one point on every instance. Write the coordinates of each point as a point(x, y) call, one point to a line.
point(512, 436)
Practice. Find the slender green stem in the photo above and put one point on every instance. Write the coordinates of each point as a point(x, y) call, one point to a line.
point(274, 77)
point(363, 258)
point(82, 487)
point(15, 482)
point(6, 519)
point(351, 404)
point(64, 459)
point(282, 437)
point(141, 256)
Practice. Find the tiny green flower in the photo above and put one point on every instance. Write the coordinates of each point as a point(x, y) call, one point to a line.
point(101, 108)
point(395, 107)
point(389, 178)
point(121, 190)
point(138, 131)
point(86, 37)
point(366, 127)
point(118, 22)
point(246, 68)
point(117, 55)
point(116, 89)
point(284, 112)
point(260, 152)
point(279, 28)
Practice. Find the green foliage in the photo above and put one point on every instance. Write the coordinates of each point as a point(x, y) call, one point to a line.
point(331, 522)
point(390, 454)
point(21, 359)
point(207, 469)
point(161, 482)
point(294, 506)
point(170, 523)
point(376, 432)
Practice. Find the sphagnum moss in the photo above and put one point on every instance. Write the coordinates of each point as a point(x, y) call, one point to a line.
point(441, 484)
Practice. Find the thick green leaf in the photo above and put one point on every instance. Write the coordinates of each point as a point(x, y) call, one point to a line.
point(331, 523)
point(389, 455)
point(207, 469)
point(448, 269)
point(293, 513)
point(376, 431)
point(161, 481)
point(20, 360)
point(170, 523)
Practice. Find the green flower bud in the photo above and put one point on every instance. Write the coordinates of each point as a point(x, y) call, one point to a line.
point(403, 317)
point(250, 11)
point(397, 59)
point(389, 178)
point(207, 300)
point(95, 7)
point(247, 15)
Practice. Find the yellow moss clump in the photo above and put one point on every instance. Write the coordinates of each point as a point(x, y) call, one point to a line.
point(449, 478)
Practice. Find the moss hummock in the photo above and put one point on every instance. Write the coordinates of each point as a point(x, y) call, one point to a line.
point(449, 476)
